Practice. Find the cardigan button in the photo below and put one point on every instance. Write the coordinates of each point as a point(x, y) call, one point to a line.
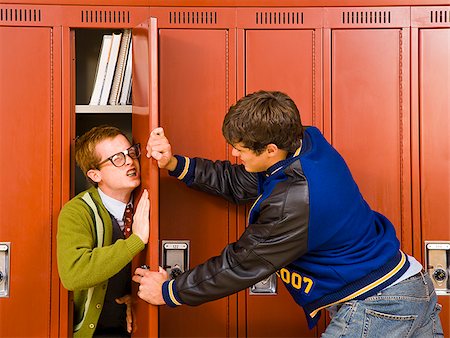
point(98, 306)
point(91, 325)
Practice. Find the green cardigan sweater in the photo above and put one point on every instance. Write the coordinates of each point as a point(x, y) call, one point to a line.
point(85, 268)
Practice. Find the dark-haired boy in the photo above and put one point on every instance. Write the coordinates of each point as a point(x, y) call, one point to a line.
point(309, 223)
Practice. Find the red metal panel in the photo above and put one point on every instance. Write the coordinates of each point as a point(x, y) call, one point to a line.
point(26, 201)
point(279, 18)
point(73, 16)
point(56, 178)
point(367, 17)
point(368, 114)
point(103, 16)
point(415, 170)
point(290, 3)
point(430, 17)
point(243, 3)
point(289, 61)
point(84, 2)
point(67, 162)
point(144, 120)
point(193, 100)
point(195, 17)
point(434, 108)
point(29, 15)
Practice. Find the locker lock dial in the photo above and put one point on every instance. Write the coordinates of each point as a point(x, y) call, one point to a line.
point(175, 271)
point(175, 257)
point(439, 275)
point(5, 249)
point(437, 262)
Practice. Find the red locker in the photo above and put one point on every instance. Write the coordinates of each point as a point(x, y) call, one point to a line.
point(375, 80)
point(434, 75)
point(430, 129)
point(196, 88)
point(144, 120)
point(367, 98)
point(30, 177)
point(280, 49)
point(434, 122)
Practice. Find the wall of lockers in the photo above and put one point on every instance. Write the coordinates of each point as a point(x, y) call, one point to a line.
point(375, 80)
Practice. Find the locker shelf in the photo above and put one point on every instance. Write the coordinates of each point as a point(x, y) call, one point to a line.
point(88, 109)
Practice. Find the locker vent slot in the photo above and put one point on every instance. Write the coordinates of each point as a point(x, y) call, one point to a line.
point(366, 17)
point(279, 18)
point(20, 15)
point(439, 16)
point(89, 16)
point(193, 18)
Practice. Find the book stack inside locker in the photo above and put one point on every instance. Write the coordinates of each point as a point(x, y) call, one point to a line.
point(112, 84)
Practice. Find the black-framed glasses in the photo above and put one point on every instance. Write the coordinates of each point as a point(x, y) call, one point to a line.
point(119, 159)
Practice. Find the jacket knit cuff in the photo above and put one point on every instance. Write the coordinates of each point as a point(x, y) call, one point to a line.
point(170, 294)
point(184, 170)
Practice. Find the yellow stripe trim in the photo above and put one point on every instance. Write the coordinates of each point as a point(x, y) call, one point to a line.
point(186, 168)
point(171, 295)
point(253, 205)
point(297, 151)
point(367, 288)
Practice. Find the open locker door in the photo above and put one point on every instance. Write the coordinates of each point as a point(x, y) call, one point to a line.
point(144, 119)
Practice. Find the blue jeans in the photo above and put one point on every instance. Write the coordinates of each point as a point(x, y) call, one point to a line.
point(406, 309)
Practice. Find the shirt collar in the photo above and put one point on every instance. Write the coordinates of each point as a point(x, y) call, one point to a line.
point(114, 207)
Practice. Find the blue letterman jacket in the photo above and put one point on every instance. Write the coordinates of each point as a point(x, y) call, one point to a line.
point(309, 223)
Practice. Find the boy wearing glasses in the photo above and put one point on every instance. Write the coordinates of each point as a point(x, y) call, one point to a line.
point(94, 248)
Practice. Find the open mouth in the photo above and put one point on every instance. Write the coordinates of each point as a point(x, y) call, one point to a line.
point(131, 173)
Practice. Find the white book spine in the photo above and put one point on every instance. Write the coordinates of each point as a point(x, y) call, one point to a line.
point(101, 69)
point(127, 78)
point(110, 68)
point(120, 67)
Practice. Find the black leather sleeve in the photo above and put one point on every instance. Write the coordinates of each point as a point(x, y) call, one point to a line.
point(277, 238)
point(224, 179)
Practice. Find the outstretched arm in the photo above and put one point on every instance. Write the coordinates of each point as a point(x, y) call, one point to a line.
point(221, 178)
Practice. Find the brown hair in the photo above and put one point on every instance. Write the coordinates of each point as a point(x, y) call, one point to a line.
point(261, 118)
point(85, 154)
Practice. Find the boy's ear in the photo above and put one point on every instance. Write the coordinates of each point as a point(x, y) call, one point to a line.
point(272, 149)
point(94, 175)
